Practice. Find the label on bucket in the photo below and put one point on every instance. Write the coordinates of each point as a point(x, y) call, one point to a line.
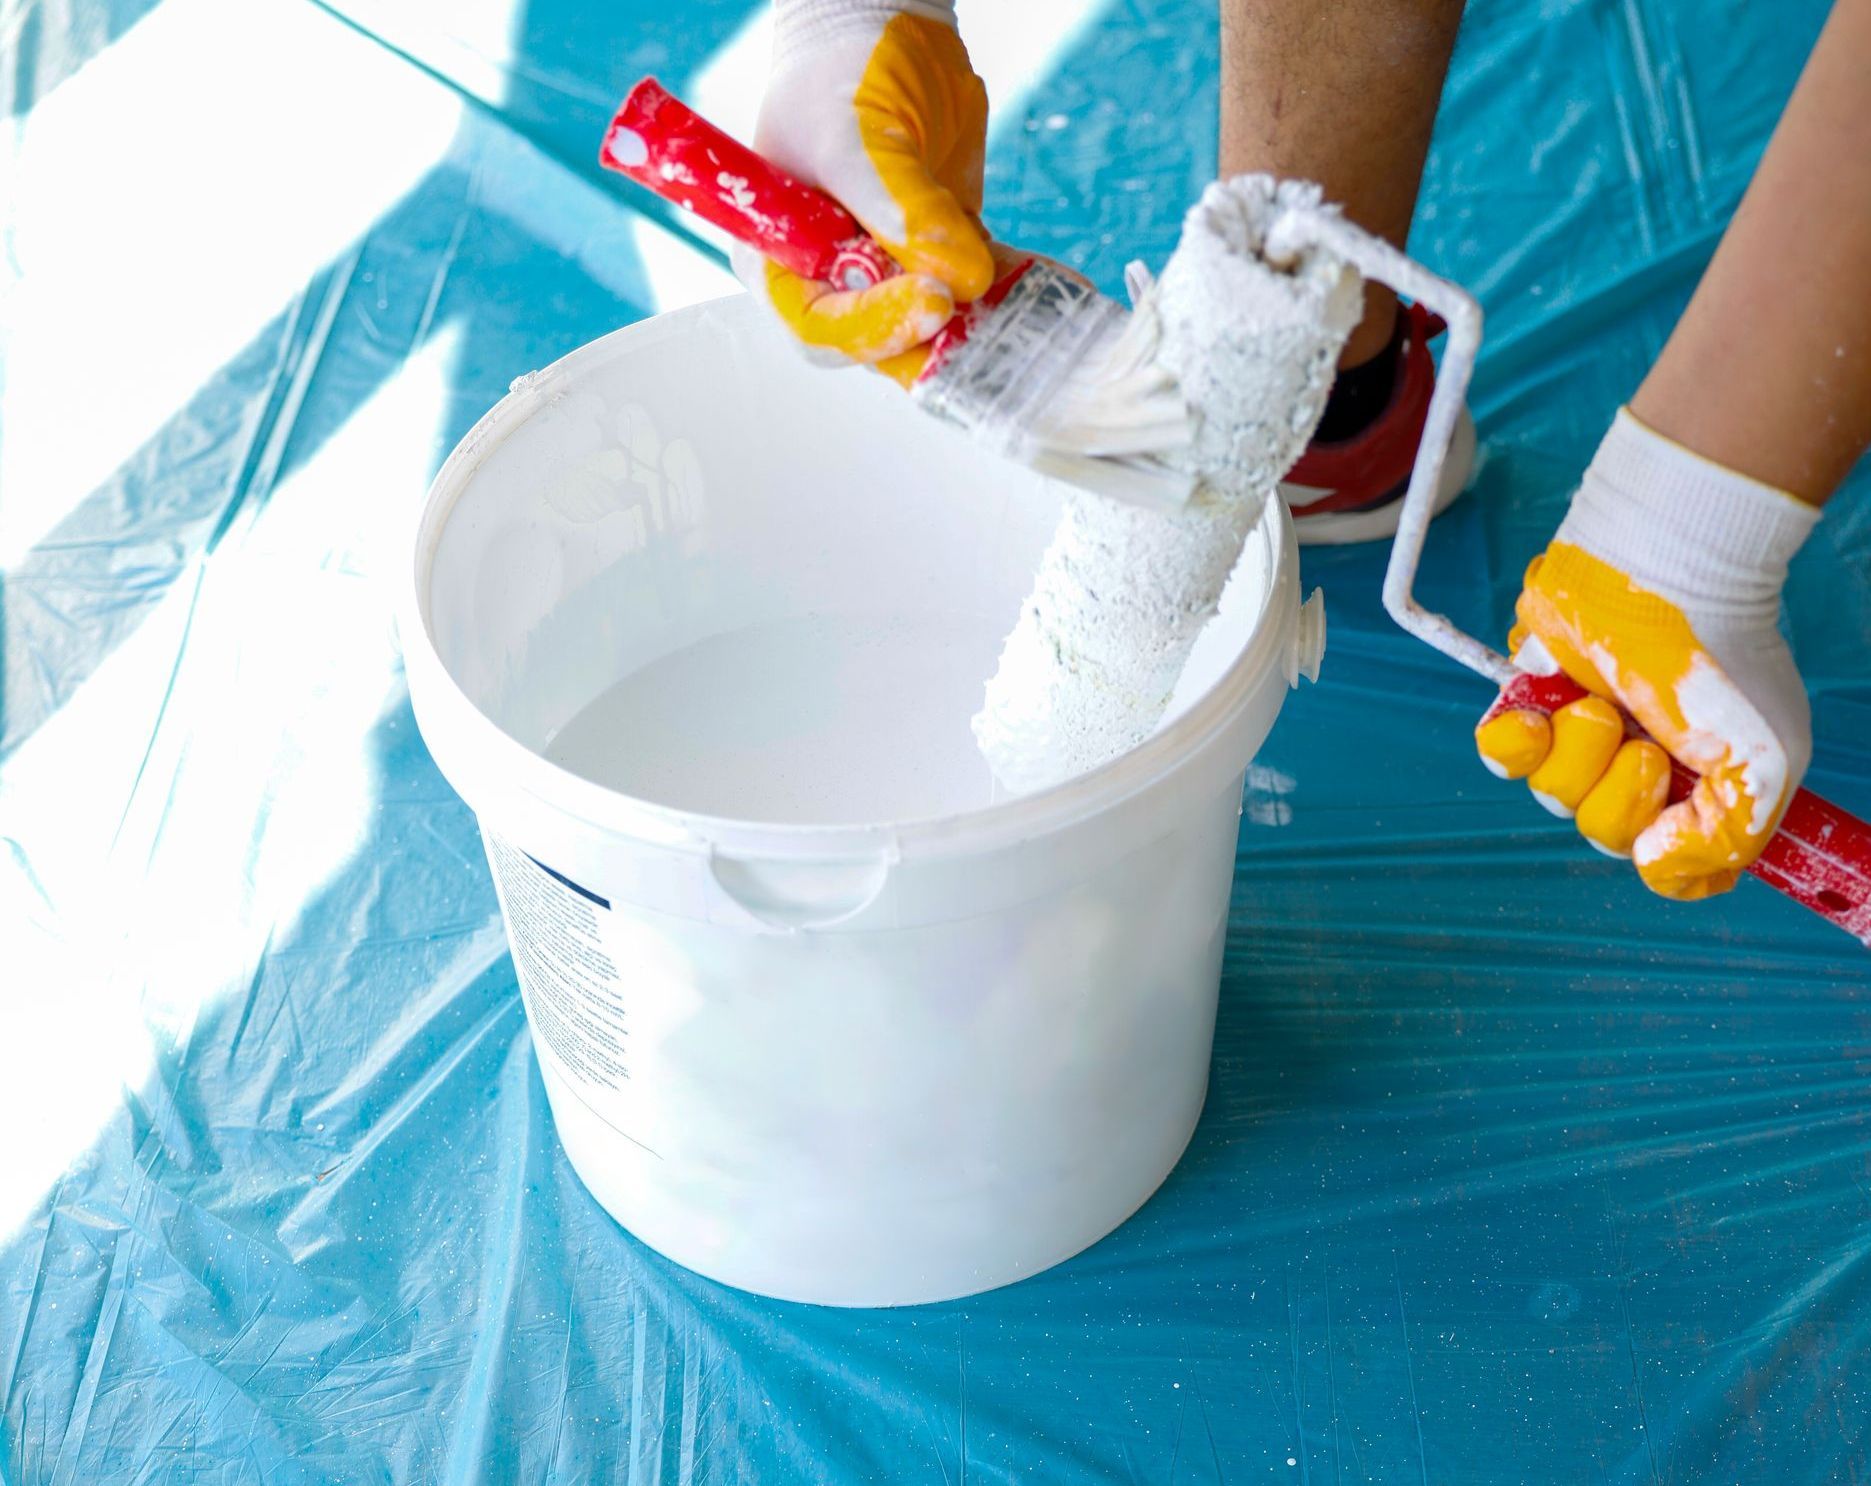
point(574, 995)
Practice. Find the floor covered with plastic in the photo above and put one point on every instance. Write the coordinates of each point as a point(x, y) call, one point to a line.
point(1509, 1171)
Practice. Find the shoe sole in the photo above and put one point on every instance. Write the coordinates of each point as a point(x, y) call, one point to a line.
point(1342, 528)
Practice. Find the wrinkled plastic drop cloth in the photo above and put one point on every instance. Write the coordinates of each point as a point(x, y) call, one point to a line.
point(1509, 1171)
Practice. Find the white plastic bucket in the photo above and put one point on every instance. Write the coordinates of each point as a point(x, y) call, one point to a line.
point(870, 1063)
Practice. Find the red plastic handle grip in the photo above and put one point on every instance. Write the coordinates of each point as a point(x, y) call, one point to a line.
point(660, 142)
point(1820, 856)
point(663, 144)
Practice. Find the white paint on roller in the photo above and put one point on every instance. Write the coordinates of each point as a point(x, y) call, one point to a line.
point(1122, 592)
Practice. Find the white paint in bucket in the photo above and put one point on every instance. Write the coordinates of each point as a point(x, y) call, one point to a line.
point(828, 719)
point(844, 1029)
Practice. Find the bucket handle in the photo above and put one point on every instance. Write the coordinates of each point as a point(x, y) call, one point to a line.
point(794, 896)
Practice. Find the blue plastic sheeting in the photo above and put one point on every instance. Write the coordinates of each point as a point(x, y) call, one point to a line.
point(1509, 1171)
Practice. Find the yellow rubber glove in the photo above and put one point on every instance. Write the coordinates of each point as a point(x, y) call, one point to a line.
point(875, 101)
point(1661, 592)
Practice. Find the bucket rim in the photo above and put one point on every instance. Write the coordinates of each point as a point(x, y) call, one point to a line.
point(474, 743)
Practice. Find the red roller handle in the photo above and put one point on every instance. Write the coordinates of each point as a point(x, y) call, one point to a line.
point(1820, 856)
point(663, 144)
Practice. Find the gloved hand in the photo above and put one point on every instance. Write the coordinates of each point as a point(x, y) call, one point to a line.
point(1661, 591)
point(875, 102)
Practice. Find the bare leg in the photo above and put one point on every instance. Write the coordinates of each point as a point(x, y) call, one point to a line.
point(1342, 92)
point(1769, 370)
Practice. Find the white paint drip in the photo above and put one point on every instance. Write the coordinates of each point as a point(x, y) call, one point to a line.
point(1534, 658)
point(1552, 804)
point(1122, 593)
point(737, 190)
point(1264, 799)
point(1728, 724)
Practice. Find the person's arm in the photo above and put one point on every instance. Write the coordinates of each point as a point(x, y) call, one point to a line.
point(1769, 370)
point(1661, 589)
point(1342, 92)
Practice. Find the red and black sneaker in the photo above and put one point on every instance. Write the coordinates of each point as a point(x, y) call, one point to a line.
point(1350, 488)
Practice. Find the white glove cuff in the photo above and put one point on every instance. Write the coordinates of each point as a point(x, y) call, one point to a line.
point(1683, 526)
point(799, 25)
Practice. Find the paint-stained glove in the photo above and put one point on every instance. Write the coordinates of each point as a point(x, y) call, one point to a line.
point(1661, 591)
point(875, 101)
